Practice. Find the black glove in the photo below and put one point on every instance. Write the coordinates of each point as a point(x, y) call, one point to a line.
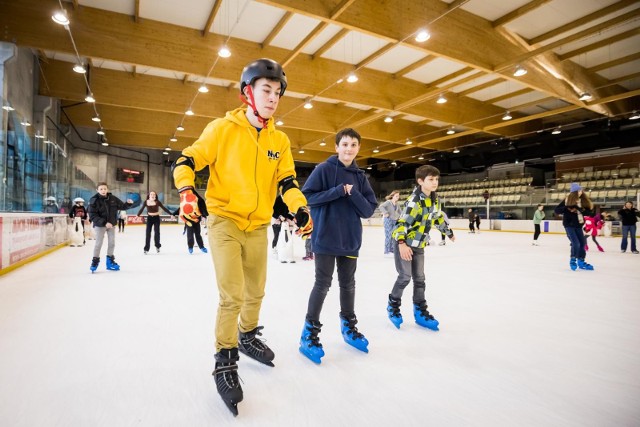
point(304, 222)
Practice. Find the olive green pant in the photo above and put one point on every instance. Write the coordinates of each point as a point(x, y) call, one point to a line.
point(240, 261)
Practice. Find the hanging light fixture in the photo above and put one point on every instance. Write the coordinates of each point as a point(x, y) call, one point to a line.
point(376, 150)
point(100, 132)
point(322, 143)
point(408, 142)
point(60, 17)
point(422, 36)
point(8, 107)
point(388, 119)
point(308, 105)
point(394, 164)
point(301, 151)
point(96, 119)
point(634, 115)
point(180, 128)
point(421, 157)
point(279, 122)
point(165, 152)
point(519, 71)
point(79, 68)
point(38, 135)
point(105, 143)
point(507, 116)
point(451, 131)
point(369, 167)
point(556, 131)
point(352, 78)
point(585, 96)
point(189, 112)
point(203, 88)
point(224, 52)
point(25, 123)
point(455, 150)
point(173, 139)
point(441, 99)
point(168, 148)
point(90, 98)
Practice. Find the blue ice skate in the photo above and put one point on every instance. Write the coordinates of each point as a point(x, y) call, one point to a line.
point(310, 343)
point(190, 250)
point(204, 250)
point(95, 262)
point(424, 318)
point(112, 264)
point(584, 266)
point(351, 335)
point(573, 263)
point(393, 311)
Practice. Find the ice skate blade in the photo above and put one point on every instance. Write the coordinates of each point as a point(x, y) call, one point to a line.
point(429, 324)
point(397, 321)
point(358, 346)
point(268, 362)
point(314, 358)
point(233, 407)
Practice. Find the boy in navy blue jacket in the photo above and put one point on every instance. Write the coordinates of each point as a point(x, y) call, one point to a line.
point(339, 195)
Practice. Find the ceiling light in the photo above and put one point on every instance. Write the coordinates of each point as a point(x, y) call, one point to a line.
point(519, 71)
point(224, 52)
point(8, 107)
point(556, 131)
point(507, 116)
point(166, 153)
point(173, 139)
point(38, 136)
point(25, 123)
point(352, 78)
point(441, 99)
point(301, 151)
point(189, 112)
point(421, 157)
point(369, 167)
point(279, 122)
point(376, 150)
point(322, 143)
point(79, 68)
point(203, 89)
point(180, 128)
point(451, 131)
point(90, 98)
point(168, 148)
point(456, 151)
point(308, 105)
point(100, 132)
point(96, 119)
point(409, 142)
point(422, 36)
point(634, 116)
point(394, 163)
point(388, 119)
point(60, 17)
point(516, 161)
point(105, 144)
point(585, 96)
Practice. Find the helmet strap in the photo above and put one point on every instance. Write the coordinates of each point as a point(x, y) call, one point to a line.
point(250, 101)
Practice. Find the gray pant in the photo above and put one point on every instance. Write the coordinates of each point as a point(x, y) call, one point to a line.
point(111, 240)
point(407, 270)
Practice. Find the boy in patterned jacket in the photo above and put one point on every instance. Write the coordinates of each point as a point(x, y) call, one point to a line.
point(410, 238)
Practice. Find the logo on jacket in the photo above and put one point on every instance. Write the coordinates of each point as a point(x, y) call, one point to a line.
point(273, 155)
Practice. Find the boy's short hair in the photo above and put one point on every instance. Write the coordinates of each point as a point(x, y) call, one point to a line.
point(425, 170)
point(347, 132)
point(101, 184)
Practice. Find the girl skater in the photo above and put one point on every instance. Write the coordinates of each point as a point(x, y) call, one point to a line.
point(153, 206)
point(591, 227)
point(573, 209)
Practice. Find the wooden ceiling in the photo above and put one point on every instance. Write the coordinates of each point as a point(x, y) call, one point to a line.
point(147, 59)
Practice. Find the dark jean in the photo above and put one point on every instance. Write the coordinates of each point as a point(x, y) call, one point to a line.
point(325, 265)
point(407, 270)
point(194, 231)
point(628, 229)
point(578, 242)
point(536, 232)
point(152, 222)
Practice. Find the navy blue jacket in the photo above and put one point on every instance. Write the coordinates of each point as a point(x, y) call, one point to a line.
point(570, 217)
point(105, 209)
point(337, 225)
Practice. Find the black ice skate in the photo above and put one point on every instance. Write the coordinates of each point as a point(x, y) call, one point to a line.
point(226, 377)
point(254, 347)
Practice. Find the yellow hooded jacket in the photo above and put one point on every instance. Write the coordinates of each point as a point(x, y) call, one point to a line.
point(245, 168)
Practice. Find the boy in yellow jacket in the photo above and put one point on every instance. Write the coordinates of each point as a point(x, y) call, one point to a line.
point(250, 162)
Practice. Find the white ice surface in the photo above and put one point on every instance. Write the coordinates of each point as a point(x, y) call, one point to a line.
point(524, 341)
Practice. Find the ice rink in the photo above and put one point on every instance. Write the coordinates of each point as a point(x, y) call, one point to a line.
point(524, 340)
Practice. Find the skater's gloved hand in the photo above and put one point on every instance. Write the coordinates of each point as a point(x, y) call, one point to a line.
point(189, 211)
point(304, 222)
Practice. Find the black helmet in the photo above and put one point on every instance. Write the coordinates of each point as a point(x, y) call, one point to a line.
point(267, 68)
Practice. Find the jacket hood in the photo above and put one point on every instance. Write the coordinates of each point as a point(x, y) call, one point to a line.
point(238, 116)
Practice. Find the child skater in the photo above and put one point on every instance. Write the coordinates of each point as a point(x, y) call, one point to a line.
point(339, 195)
point(410, 235)
point(593, 224)
point(193, 229)
point(573, 209)
point(79, 211)
point(390, 213)
point(103, 211)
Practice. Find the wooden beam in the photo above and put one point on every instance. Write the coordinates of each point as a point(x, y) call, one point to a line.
point(481, 86)
point(508, 95)
point(332, 41)
point(377, 54)
point(312, 35)
point(340, 8)
point(212, 16)
point(582, 21)
point(75, 4)
point(599, 44)
point(136, 13)
point(521, 11)
point(276, 30)
point(615, 62)
point(409, 68)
